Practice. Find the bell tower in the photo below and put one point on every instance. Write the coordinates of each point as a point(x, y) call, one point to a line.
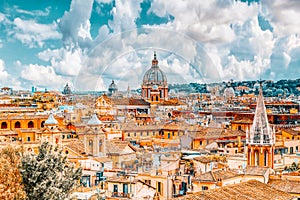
point(94, 137)
point(260, 140)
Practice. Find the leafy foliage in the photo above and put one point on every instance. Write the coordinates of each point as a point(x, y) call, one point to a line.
point(48, 175)
point(10, 178)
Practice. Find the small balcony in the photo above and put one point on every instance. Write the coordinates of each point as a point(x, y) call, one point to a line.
point(120, 195)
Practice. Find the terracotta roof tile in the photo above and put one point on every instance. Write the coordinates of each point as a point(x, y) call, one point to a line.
point(288, 186)
point(250, 190)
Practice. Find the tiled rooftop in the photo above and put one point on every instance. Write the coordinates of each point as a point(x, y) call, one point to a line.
point(256, 170)
point(213, 176)
point(288, 186)
point(250, 190)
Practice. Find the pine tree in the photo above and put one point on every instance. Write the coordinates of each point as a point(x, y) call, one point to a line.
point(10, 178)
point(48, 175)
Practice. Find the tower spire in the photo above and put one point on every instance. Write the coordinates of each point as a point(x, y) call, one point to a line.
point(154, 61)
point(260, 132)
point(261, 138)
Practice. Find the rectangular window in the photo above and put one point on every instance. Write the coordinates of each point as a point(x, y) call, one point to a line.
point(115, 188)
point(125, 188)
point(159, 187)
point(28, 139)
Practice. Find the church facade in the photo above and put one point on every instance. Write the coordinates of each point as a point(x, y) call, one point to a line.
point(155, 85)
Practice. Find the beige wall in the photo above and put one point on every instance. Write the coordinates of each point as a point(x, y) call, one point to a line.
point(164, 180)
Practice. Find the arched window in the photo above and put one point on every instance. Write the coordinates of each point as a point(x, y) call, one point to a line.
point(204, 188)
point(42, 124)
point(30, 124)
point(18, 125)
point(3, 125)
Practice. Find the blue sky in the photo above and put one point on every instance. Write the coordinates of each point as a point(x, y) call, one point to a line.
point(88, 43)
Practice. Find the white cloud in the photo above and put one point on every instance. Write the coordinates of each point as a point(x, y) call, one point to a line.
point(75, 25)
point(103, 1)
point(64, 62)
point(205, 21)
point(35, 13)
point(124, 15)
point(7, 79)
point(3, 73)
point(206, 41)
point(31, 33)
point(42, 76)
point(2, 17)
point(234, 44)
point(285, 57)
point(249, 56)
point(283, 16)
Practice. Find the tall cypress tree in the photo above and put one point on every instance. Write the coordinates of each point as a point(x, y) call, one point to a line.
point(48, 175)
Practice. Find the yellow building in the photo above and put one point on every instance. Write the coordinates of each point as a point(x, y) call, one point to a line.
point(24, 125)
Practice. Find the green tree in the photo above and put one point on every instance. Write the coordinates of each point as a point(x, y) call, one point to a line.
point(10, 178)
point(48, 175)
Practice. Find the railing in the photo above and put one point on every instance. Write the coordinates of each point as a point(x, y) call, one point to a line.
point(120, 194)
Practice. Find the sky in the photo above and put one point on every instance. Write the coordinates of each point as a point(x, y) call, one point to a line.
point(89, 43)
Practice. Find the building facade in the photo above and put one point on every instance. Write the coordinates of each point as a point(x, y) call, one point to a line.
point(155, 86)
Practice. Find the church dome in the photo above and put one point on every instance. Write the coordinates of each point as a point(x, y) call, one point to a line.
point(112, 89)
point(229, 92)
point(94, 120)
point(51, 120)
point(67, 89)
point(113, 86)
point(155, 76)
